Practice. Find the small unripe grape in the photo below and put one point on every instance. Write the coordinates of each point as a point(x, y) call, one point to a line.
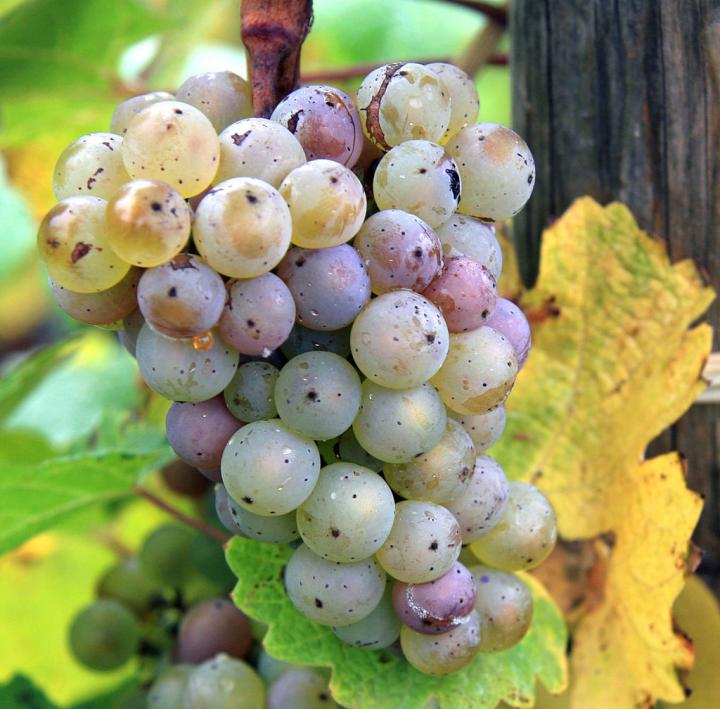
point(325, 122)
point(497, 170)
point(327, 203)
point(399, 251)
point(440, 474)
point(423, 544)
point(90, 165)
point(464, 101)
point(484, 429)
point(250, 395)
point(147, 222)
point(300, 689)
point(478, 372)
point(480, 507)
point(331, 593)
point(437, 606)
point(505, 607)
point(260, 148)
point(378, 630)
point(174, 142)
point(126, 110)
point(466, 236)
point(268, 469)
point(525, 533)
point(104, 635)
point(399, 340)
point(509, 320)
point(395, 425)
point(418, 177)
point(224, 683)
point(348, 515)
point(223, 96)
point(128, 584)
point(165, 555)
point(302, 339)
point(72, 242)
point(167, 690)
point(400, 102)
point(446, 653)
point(280, 529)
point(242, 227)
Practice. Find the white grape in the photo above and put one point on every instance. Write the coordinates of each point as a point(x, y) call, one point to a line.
point(466, 236)
point(484, 429)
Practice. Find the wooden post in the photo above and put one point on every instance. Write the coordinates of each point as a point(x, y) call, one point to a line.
point(620, 99)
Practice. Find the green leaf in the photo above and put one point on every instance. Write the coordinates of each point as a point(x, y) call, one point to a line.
point(378, 679)
point(37, 496)
point(21, 693)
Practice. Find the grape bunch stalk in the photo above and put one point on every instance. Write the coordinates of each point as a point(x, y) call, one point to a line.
point(326, 276)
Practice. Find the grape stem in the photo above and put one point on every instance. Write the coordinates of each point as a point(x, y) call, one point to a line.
point(494, 13)
point(193, 522)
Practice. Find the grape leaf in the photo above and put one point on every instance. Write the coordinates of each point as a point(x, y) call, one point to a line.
point(379, 679)
point(21, 693)
point(615, 361)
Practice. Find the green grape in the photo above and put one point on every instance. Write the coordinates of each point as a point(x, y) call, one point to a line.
point(173, 142)
point(178, 371)
point(73, 244)
point(331, 593)
point(126, 110)
point(378, 630)
point(466, 236)
point(281, 529)
point(525, 533)
point(270, 668)
point(302, 340)
point(207, 558)
point(505, 607)
point(165, 555)
point(224, 97)
point(250, 395)
point(348, 515)
point(445, 653)
point(439, 475)
point(464, 101)
point(147, 223)
point(327, 203)
point(90, 165)
point(242, 227)
point(399, 339)
point(224, 683)
point(478, 372)
point(400, 102)
point(318, 395)
point(300, 689)
point(258, 147)
point(395, 425)
point(484, 429)
point(168, 689)
point(423, 544)
point(350, 451)
point(418, 177)
point(268, 469)
point(104, 635)
point(127, 583)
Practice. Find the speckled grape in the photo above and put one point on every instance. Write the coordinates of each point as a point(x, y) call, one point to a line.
point(126, 110)
point(509, 320)
point(223, 501)
point(466, 236)
point(167, 690)
point(250, 395)
point(464, 100)
point(224, 97)
point(280, 529)
point(484, 429)
point(300, 689)
point(224, 683)
point(378, 630)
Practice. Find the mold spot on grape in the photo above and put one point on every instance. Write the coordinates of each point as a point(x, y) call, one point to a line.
point(238, 138)
point(81, 249)
point(172, 293)
point(293, 120)
point(318, 603)
point(335, 532)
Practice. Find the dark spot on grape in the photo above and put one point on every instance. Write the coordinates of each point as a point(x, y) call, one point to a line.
point(238, 138)
point(178, 112)
point(454, 182)
point(433, 546)
point(335, 532)
point(81, 249)
point(300, 262)
point(156, 207)
point(250, 197)
point(418, 252)
point(172, 293)
point(250, 323)
point(334, 180)
point(422, 170)
point(318, 603)
point(530, 178)
point(293, 121)
point(430, 337)
point(247, 499)
point(312, 395)
point(53, 243)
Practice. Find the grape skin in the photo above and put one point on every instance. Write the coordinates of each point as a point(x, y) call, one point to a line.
point(464, 100)
point(126, 110)
point(378, 630)
point(131, 327)
point(300, 689)
point(250, 395)
point(302, 339)
point(348, 515)
point(222, 96)
point(224, 683)
point(484, 429)
point(509, 320)
point(280, 529)
point(167, 690)
point(350, 451)
point(223, 502)
point(466, 236)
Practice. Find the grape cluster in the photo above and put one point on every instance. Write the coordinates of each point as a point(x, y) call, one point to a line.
point(286, 289)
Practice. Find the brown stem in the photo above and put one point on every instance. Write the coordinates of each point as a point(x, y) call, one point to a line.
point(496, 14)
point(273, 32)
point(194, 522)
point(481, 48)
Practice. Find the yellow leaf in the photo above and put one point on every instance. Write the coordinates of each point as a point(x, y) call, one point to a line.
point(510, 284)
point(614, 362)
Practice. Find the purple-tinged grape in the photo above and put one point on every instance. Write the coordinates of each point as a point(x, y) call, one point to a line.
point(102, 308)
point(464, 100)
point(325, 122)
point(224, 683)
point(509, 320)
point(330, 286)
point(223, 502)
point(131, 327)
point(524, 535)
point(399, 251)
point(250, 396)
point(165, 555)
point(331, 593)
point(302, 339)
point(167, 690)
point(446, 653)
point(497, 171)
point(126, 583)
point(399, 340)
point(378, 630)
point(280, 529)
point(224, 97)
point(423, 544)
point(480, 507)
point(212, 627)
point(184, 479)
point(484, 429)
point(198, 432)
point(182, 298)
point(261, 148)
point(300, 689)
point(465, 294)
point(505, 607)
point(437, 606)
point(258, 316)
point(350, 451)
point(466, 236)
point(126, 110)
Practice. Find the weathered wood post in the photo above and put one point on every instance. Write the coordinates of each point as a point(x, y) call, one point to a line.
point(620, 100)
